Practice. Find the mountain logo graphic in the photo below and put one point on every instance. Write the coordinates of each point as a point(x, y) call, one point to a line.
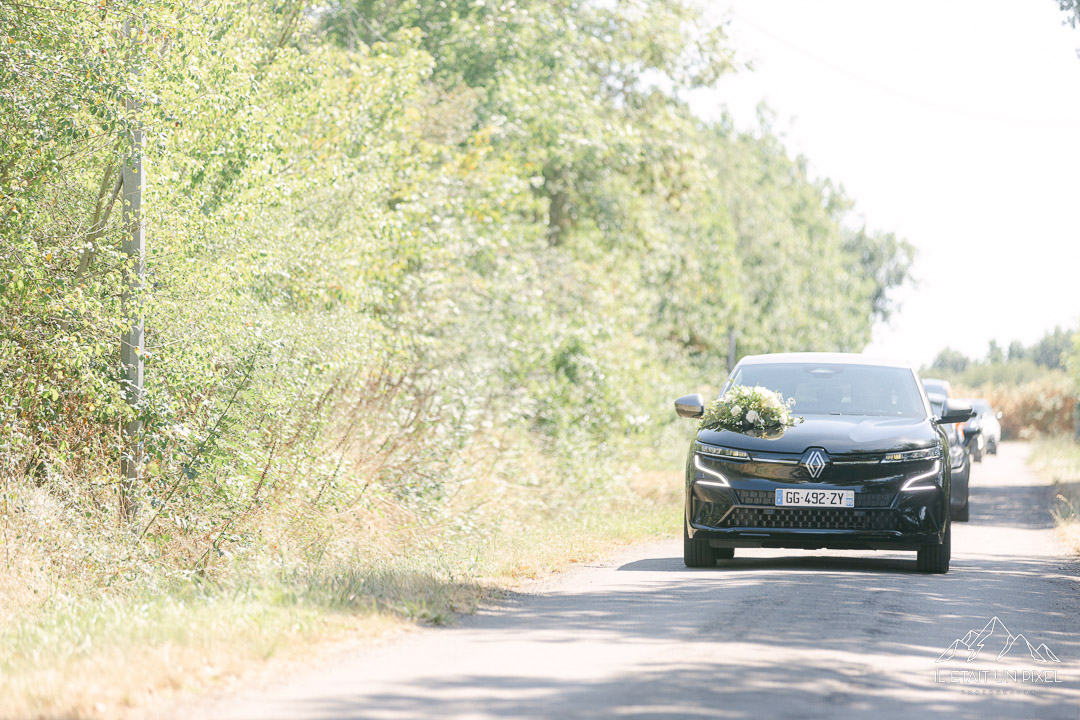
point(993, 636)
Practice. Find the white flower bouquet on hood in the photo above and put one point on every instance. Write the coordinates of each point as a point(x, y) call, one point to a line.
point(750, 410)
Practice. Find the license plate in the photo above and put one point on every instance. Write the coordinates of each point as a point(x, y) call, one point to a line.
point(816, 498)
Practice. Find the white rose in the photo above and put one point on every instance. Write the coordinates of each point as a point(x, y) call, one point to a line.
point(735, 409)
point(752, 417)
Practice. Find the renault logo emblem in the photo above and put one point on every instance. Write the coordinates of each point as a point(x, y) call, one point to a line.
point(814, 461)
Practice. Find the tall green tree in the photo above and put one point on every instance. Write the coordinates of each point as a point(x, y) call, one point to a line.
point(476, 223)
point(951, 360)
point(1050, 350)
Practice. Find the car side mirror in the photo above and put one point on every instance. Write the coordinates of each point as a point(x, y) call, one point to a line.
point(690, 406)
point(955, 411)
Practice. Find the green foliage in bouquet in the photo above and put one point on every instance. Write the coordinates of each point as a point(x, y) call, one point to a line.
point(751, 410)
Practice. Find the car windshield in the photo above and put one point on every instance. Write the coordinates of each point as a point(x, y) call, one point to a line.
point(839, 389)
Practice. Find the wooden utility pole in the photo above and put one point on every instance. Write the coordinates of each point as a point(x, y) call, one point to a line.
point(131, 343)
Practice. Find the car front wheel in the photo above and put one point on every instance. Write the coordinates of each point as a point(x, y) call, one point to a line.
point(962, 514)
point(935, 558)
point(696, 553)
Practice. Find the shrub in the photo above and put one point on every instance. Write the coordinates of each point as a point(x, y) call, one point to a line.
point(1039, 407)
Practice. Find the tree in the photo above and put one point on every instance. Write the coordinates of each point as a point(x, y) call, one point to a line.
point(887, 260)
point(455, 212)
point(952, 360)
point(1072, 7)
point(1052, 348)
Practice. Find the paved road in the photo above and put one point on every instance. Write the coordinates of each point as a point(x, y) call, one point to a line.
point(772, 634)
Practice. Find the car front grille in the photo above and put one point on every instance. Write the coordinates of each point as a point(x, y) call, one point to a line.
point(869, 499)
point(807, 518)
point(757, 497)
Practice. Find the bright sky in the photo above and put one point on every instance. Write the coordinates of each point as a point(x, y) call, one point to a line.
point(953, 123)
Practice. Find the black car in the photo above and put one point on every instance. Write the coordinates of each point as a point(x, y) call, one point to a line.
point(866, 468)
point(960, 438)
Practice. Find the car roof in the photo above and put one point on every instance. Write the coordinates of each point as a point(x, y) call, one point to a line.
point(823, 357)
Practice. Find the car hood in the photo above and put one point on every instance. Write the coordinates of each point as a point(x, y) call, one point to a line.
point(836, 434)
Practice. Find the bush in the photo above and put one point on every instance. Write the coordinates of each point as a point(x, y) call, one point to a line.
point(374, 259)
point(1039, 407)
point(412, 271)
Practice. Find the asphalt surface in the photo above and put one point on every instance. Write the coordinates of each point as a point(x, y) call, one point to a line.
point(771, 634)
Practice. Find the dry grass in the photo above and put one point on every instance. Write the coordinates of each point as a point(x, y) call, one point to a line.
point(1059, 460)
point(97, 660)
point(1032, 409)
point(94, 623)
point(99, 619)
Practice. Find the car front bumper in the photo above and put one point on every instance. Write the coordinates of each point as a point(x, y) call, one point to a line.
point(744, 514)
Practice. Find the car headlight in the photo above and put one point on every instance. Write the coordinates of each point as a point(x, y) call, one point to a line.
point(923, 481)
point(930, 453)
point(717, 480)
point(721, 452)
